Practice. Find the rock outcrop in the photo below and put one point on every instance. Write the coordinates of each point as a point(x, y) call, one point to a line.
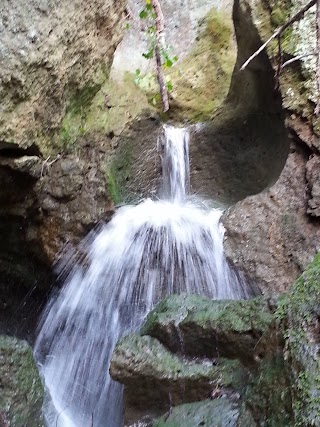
point(239, 376)
point(272, 380)
point(51, 52)
point(274, 235)
point(21, 389)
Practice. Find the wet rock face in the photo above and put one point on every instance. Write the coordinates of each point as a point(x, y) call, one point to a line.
point(46, 204)
point(219, 413)
point(21, 389)
point(50, 50)
point(158, 379)
point(313, 180)
point(198, 327)
point(274, 235)
point(239, 376)
point(270, 236)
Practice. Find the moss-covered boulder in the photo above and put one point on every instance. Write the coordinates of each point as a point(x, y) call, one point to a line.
point(155, 377)
point(300, 314)
point(198, 326)
point(208, 413)
point(21, 391)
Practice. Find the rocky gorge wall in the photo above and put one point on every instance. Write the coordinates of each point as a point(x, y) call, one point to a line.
point(71, 140)
point(71, 145)
point(274, 235)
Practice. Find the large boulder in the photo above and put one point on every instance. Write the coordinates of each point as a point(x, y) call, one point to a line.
point(155, 378)
point(21, 389)
point(51, 52)
point(199, 327)
point(208, 413)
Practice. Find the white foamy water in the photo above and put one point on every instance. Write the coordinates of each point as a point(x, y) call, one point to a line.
point(145, 253)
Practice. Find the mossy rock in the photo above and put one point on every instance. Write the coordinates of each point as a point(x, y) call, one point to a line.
point(21, 389)
point(154, 377)
point(198, 326)
point(269, 394)
point(300, 312)
point(201, 81)
point(208, 413)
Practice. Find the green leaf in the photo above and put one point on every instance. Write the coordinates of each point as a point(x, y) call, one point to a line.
point(175, 58)
point(149, 54)
point(127, 26)
point(143, 14)
point(138, 72)
point(148, 6)
point(169, 86)
point(168, 63)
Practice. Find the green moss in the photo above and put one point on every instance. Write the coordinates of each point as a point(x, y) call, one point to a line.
point(299, 311)
point(117, 173)
point(208, 413)
point(269, 394)
point(201, 81)
point(102, 107)
point(280, 11)
point(21, 389)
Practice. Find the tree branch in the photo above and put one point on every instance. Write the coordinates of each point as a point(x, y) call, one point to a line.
point(159, 43)
point(299, 15)
point(297, 58)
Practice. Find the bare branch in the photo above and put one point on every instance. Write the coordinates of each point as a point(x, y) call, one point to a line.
point(159, 43)
point(297, 58)
point(299, 15)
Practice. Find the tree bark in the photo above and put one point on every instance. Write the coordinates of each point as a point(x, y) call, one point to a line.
point(159, 43)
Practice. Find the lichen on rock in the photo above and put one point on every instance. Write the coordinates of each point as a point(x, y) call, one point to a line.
point(21, 389)
point(299, 313)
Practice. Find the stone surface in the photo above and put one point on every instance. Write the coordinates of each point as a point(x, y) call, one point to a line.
point(199, 327)
point(269, 236)
point(155, 377)
point(208, 413)
point(313, 180)
point(181, 29)
point(51, 51)
point(21, 389)
point(299, 313)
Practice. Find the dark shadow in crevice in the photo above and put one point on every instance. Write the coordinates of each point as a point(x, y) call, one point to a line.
point(244, 149)
point(25, 273)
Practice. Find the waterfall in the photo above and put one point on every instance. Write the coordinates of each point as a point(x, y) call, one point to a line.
point(122, 270)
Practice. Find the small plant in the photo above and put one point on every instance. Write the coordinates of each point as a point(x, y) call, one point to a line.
point(157, 48)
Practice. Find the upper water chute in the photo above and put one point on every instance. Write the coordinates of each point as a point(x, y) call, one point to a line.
point(146, 252)
point(174, 144)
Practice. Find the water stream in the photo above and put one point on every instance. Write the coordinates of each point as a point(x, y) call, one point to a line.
point(122, 270)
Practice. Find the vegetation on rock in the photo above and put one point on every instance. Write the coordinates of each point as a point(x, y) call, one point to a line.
point(21, 389)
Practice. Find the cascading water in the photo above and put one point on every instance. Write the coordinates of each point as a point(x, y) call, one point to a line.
point(146, 252)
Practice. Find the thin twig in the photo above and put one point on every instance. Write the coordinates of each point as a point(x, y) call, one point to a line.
point(299, 15)
point(297, 58)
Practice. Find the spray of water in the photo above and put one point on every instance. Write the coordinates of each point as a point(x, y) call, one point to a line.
point(146, 252)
